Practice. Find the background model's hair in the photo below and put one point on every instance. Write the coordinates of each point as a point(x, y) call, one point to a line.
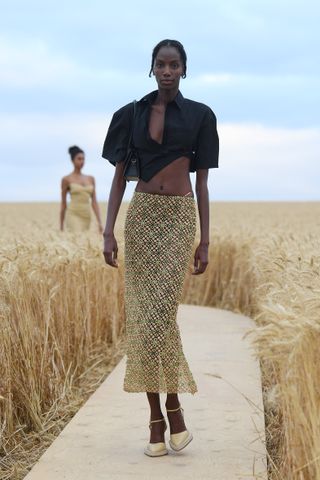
point(74, 150)
point(170, 43)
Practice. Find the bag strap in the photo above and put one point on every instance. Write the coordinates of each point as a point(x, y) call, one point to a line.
point(133, 119)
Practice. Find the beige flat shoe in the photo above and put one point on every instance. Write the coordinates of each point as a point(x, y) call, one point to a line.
point(159, 448)
point(179, 440)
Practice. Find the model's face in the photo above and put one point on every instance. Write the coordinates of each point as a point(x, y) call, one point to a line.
point(168, 68)
point(79, 160)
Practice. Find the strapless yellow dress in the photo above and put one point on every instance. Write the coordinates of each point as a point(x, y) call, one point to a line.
point(78, 213)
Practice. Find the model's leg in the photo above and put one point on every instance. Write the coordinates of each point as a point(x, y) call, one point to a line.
point(157, 428)
point(175, 418)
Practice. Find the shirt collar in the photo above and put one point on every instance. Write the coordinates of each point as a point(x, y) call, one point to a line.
point(178, 100)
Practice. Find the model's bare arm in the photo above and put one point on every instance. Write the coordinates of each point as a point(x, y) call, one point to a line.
point(95, 206)
point(110, 250)
point(202, 192)
point(64, 189)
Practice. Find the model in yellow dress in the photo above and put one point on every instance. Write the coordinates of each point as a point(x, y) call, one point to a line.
point(77, 214)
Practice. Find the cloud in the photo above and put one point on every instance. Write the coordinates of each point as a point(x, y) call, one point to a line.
point(257, 162)
point(31, 64)
point(37, 75)
point(265, 163)
point(244, 78)
point(30, 129)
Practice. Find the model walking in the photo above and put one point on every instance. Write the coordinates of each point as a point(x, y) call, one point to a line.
point(173, 136)
point(82, 189)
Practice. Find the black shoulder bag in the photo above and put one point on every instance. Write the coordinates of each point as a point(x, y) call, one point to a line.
point(132, 161)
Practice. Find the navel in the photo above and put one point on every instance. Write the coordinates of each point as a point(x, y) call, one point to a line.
point(161, 187)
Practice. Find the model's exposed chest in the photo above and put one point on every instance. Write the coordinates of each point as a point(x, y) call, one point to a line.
point(159, 127)
point(156, 122)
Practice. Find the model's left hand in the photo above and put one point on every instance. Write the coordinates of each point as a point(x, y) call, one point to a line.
point(200, 256)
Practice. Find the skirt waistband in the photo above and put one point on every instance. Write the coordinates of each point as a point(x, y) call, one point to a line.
point(162, 197)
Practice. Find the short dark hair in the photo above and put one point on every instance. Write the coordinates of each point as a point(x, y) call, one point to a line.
point(170, 43)
point(74, 150)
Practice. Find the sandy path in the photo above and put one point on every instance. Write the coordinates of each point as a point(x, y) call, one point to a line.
point(105, 439)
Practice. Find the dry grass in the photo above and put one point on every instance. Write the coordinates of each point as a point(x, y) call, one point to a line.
point(62, 321)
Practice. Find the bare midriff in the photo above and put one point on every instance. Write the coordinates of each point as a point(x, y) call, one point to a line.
point(174, 179)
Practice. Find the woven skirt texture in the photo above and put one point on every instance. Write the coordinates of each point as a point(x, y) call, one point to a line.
point(159, 235)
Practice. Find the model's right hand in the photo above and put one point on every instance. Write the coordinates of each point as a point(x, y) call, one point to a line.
point(110, 250)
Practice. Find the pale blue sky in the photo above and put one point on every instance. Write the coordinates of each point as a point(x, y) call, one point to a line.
point(64, 68)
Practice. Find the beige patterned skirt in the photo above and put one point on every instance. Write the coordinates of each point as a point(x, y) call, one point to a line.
point(159, 235)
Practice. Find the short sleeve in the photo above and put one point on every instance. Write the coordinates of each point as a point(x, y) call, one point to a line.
point(207, 146)
point(118, 134)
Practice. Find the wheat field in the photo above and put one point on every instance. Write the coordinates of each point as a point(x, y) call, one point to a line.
point(62, 321)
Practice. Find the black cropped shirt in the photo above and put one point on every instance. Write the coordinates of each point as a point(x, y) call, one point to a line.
point(190, 129)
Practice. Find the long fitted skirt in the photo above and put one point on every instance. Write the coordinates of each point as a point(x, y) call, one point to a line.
point(159, 235)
